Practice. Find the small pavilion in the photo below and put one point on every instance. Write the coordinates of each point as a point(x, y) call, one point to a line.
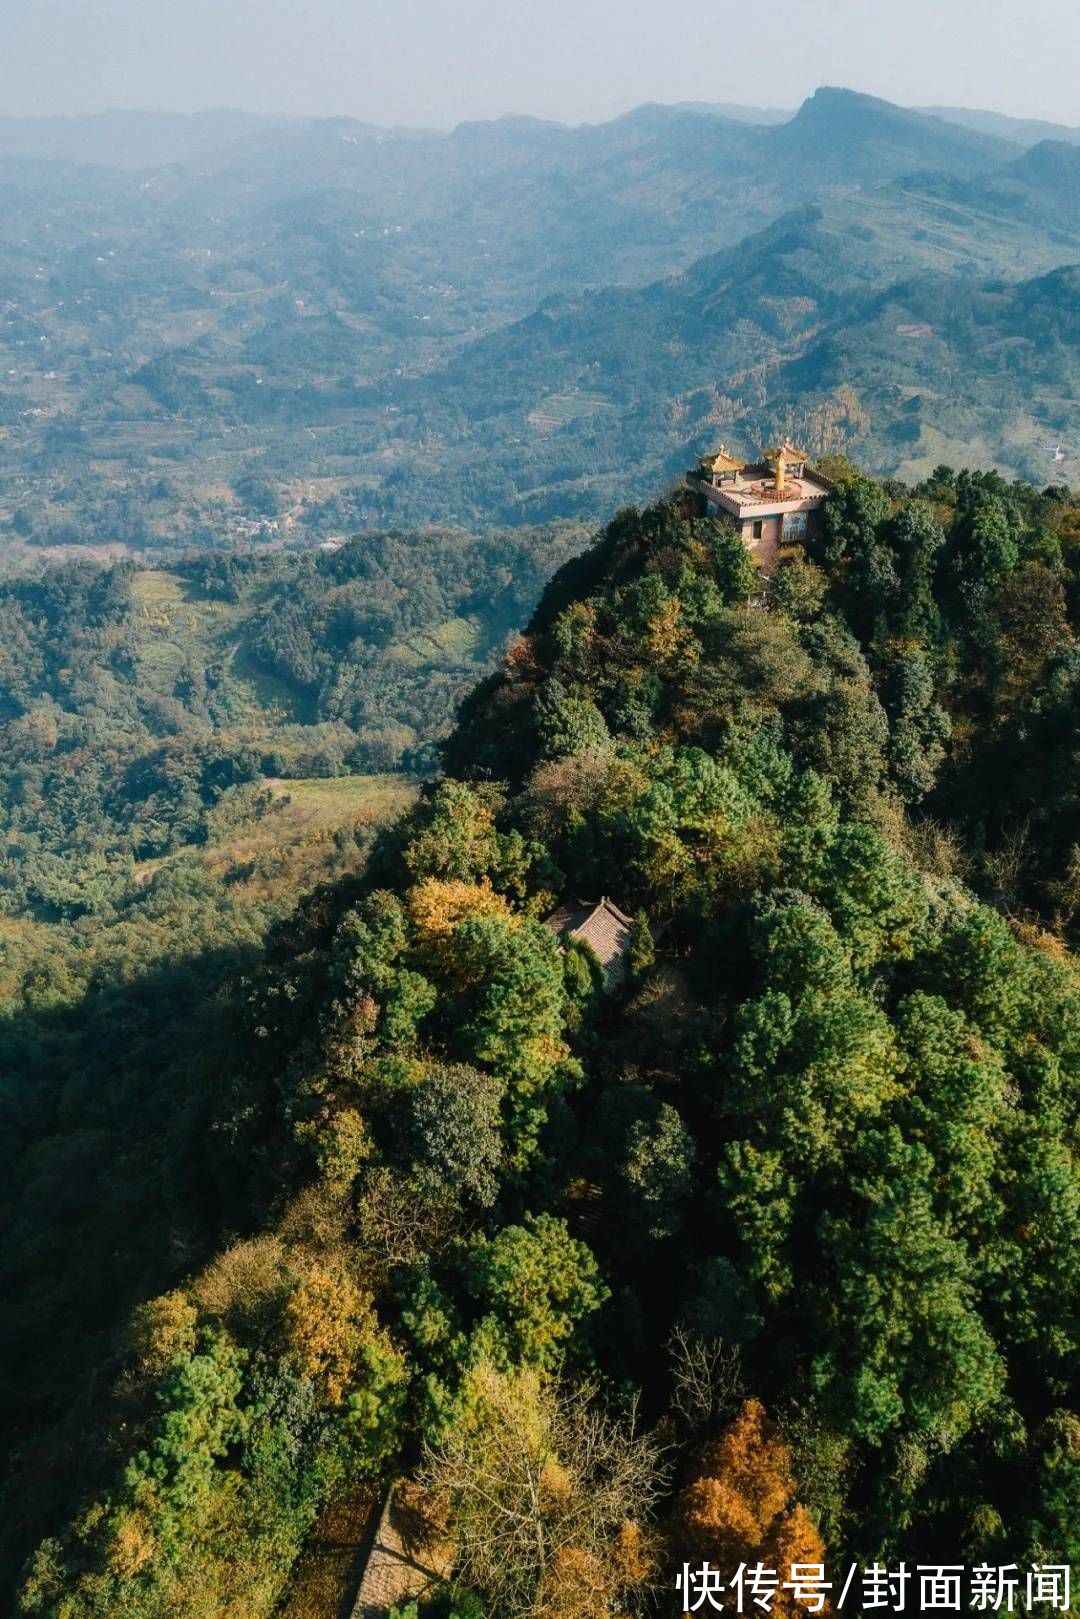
point(721, 467)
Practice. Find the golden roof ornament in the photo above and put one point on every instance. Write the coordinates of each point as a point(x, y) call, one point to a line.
point(779, 458)
point(721, 462)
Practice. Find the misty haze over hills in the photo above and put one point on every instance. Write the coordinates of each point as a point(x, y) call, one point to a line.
point(140, 139)
point(363, 325)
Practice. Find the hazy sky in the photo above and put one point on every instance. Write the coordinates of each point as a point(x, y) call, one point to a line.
point(440, 61)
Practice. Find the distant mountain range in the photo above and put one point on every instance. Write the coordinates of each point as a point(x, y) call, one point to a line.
point(134, 139)
point(1021, 131)
point(138, 139)
point(513, 320)
point(884, 331)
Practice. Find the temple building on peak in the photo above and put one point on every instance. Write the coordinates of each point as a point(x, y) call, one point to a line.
point(773, 501)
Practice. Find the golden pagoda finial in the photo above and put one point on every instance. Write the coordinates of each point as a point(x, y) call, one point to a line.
point(779, 458)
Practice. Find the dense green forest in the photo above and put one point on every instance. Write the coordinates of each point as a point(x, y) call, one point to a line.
point(149, 713)
point(770, 1255)
point(241, 333)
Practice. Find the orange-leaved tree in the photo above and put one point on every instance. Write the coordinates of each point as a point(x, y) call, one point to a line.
point(741, 1508)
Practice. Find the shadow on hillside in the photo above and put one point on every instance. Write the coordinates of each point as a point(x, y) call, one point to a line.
point(124, 1167)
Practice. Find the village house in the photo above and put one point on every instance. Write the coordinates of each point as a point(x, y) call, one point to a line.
point(773, 502)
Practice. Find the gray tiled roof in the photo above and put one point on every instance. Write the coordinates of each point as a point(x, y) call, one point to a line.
point(604, 928)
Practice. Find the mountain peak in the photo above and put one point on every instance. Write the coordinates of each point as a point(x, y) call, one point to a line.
point(869, 139)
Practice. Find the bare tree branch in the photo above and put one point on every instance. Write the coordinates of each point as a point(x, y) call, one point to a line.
point(706, 1378)
point(550, 1499)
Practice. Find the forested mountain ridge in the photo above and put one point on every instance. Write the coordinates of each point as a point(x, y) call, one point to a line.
point(825, 1135)
point(250, 346)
